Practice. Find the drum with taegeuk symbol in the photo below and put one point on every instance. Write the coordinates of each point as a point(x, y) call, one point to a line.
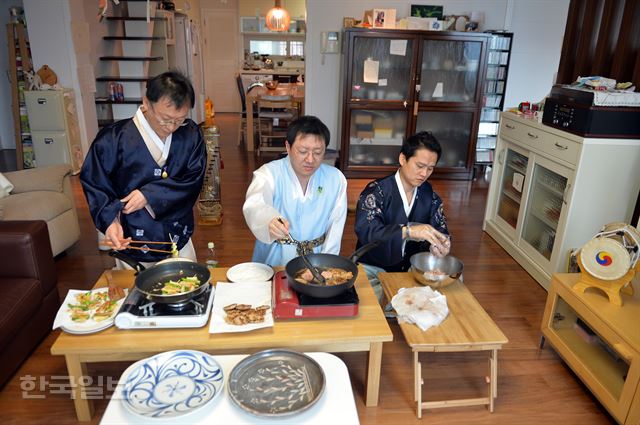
point(612, 252)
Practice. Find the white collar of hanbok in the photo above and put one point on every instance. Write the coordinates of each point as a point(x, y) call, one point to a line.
point(159, 149)
point(405, 203)
point(298, 193)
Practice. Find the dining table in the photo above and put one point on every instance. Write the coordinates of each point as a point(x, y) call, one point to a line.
point(366, 332)
point(293, 90)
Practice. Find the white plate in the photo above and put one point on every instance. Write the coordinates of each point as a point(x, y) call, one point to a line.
point(253, 293)
point(63, 317)
point(250, 272)
point(172, 384)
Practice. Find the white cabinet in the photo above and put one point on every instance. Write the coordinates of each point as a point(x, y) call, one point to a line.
point(551, 191)
point(54, 128)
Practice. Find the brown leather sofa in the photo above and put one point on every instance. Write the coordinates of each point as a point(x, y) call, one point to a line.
point(29, 299)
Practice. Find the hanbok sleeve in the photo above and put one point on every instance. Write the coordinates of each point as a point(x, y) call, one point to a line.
point(174, 197)
point(371, 226)
point(333, 235)
point(258, 207)
point(102, 198)
point(438, 220)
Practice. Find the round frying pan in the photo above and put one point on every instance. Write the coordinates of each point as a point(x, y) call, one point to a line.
point(150, 280)
point(323, 261)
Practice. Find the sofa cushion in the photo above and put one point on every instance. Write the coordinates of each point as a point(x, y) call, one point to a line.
point(39, 205)
point(21, 298)
point(48, 178)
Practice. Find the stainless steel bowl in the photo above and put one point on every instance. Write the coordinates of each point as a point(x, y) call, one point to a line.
point(424, 264)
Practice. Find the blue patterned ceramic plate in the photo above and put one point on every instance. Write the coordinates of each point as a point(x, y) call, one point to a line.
point(172, 384)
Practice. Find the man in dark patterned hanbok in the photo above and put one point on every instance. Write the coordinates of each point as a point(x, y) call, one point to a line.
point(142, 176)
point(402, 212)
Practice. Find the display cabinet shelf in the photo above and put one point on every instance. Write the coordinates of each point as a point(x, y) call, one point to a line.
point(399, 82)
point(494, 88)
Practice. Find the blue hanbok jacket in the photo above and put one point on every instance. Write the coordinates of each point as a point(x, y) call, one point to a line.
point(380, 216)
point(119, 162)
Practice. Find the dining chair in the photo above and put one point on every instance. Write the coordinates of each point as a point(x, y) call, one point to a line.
point(243, 119)
point(275, 113)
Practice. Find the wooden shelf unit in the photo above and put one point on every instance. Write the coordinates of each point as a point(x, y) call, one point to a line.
point(17, 43)
point(608, 360)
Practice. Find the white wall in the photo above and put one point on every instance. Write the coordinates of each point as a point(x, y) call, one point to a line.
point(535, 58)
point(538, 27)
point(49, 25)
point(7, 134)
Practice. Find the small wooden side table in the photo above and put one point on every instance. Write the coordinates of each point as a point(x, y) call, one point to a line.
point(467, 328)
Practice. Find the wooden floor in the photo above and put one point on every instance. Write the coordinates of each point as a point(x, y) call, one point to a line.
point(534, 385)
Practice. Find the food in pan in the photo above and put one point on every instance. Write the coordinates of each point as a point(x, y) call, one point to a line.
point(242, 314)
point(92, 305)
point(184, 284)
point(332, 275)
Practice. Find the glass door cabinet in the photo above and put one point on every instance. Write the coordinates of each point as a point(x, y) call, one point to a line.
point(399, 82)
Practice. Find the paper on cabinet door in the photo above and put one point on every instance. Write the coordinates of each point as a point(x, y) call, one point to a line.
point(398, 47)
point(371, 71)
point(518, 182)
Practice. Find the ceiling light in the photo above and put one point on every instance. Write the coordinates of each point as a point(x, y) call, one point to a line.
point(277, 18)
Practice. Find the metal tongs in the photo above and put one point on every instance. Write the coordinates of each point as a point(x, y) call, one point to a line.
point(316, 274)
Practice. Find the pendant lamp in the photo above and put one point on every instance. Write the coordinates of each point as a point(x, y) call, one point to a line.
point(277, 18)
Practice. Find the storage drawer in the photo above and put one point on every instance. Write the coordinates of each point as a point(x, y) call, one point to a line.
point(550, 144)
point(50, 147)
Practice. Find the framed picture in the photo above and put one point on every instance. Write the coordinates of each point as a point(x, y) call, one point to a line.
point(384, 18)
point(378, 18)
point(426, 11)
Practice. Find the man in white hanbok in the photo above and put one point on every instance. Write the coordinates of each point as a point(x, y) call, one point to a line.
point(297, 196)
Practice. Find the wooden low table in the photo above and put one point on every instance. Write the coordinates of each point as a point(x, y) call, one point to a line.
point(467, 328)
point(366, 332)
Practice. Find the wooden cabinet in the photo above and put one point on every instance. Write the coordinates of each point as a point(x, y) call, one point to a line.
point(599, 341)
point(552, 191)
point(398, 82)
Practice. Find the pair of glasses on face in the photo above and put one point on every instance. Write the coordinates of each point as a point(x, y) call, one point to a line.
point(315, 155)
point(165, 123)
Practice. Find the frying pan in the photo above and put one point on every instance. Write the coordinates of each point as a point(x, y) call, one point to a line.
point(150, 281)
point(323, 261)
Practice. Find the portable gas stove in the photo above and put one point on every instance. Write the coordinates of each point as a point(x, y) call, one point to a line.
point(288, 304)
point(138, 312)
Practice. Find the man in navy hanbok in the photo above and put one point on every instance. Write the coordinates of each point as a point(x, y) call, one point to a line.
point(402, 212)
point(297, 195)
point(142, 176)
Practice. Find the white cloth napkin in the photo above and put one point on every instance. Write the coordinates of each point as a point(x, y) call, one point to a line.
point(5, 186)
point(252, 293)
point(420, 305)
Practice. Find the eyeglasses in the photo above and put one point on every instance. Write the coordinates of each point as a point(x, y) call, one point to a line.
point(305, 153)
point(178, 123)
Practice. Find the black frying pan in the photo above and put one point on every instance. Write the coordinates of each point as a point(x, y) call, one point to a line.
point(321, 261)
point(150, 281)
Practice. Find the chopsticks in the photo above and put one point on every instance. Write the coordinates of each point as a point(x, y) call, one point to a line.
point(149, 249)
point(152, 242)
point(141, 249)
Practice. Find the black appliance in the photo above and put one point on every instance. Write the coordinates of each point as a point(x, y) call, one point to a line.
point(571, 109)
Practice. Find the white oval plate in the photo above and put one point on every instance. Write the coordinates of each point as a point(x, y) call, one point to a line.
point(250, 272)
point(172, 384)
point(90, 326)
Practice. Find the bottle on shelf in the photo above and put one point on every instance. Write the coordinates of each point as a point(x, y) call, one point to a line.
point(212, 259)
